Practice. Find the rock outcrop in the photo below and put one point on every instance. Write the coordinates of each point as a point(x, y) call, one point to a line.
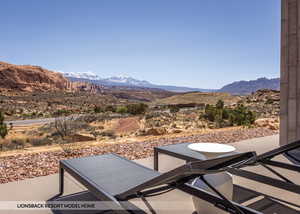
point(265, 103)
point(270, 123)
point(30, 78)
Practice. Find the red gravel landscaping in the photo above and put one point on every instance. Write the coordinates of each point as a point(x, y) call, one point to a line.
point(23, 166)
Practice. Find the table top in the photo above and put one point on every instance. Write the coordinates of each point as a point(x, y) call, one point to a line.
point(182, 151)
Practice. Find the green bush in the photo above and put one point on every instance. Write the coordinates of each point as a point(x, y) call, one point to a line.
point(110, 108)
point(36, 141)
point(174, 108)
point(61, 112)
point(68, 126)
point(220, 104)
point(98, 109)
point(3, 130)
point(109, 133)
point(122, 109)
point(269, 101)
point(222, 116)
point(210, 113)
point(3, 126)
point(241, 116)
point(136, 109)
point(18, 143)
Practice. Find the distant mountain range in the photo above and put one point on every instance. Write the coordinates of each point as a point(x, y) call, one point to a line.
point(247, 87)
point(237, 88)
point(127, 81)
point(36, 78)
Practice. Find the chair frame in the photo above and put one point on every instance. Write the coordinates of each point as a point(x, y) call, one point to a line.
point(175, 179)
point(265, 160)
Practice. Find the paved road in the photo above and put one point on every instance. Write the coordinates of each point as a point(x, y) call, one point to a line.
point(35, 121)
point(30, 122)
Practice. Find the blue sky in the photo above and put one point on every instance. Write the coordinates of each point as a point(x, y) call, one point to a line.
point(198, 43)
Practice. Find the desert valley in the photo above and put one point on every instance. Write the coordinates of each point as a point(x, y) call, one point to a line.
point(67, 117)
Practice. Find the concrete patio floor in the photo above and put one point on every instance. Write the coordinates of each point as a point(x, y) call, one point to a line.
point(42, 188)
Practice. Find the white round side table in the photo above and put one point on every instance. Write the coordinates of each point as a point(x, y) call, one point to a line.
point(223, 182)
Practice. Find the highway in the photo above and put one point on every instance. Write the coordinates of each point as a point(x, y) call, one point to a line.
point(32, 122)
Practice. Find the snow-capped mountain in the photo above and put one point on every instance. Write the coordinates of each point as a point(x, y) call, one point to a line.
point(84, 75)
point(123, 80)
point(128, 80)
point(115, 80)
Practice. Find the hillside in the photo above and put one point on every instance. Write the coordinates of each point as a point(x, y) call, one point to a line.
point(247, 87)
point(265, 103)
point(199, 97)
point(29, 78)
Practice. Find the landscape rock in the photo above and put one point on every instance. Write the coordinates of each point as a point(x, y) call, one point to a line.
point(271, 123)
point(24, 166)
point(156, 131)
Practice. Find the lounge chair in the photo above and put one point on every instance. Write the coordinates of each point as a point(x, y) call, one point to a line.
point(117, 180)
point(291, 152)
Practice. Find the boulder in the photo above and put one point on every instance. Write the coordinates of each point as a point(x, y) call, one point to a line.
point(270, 123)
point(176, 131)
point(156, 131)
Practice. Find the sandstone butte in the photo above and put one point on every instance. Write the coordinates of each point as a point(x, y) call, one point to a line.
point(30, 78)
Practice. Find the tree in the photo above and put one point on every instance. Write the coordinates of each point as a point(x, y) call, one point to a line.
point(174, 109)
point(110, 108)
point(220, 104)
point(3, 128)
point(241, 116)
point(136, 109)
point(210, 113)
point(222, 116)
point(98, 109)
point(121, 110)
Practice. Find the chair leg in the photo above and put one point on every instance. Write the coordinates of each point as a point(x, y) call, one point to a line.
point(61, 185)
point(61, 181)
point(155, 160)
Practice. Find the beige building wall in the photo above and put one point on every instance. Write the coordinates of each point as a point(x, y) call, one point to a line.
point(290, 72)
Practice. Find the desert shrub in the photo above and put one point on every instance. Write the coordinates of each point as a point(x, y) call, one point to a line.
point(68, 126)
point(3, 130)
point(220, 104)
point(98, 109)
point(136, 109)
point(3, 126)
point(18, 143)
point(38, 141)
point(96, 133)
point(241, 115)
point(121, 110)
point(224, 116)
point(269, 101)
point(210, 113)
point(109, 133)
point(87, 118)
point(110, 108)
point(67, 148)
point(61, 112)
point(11, 144)
point(7, 145)
point(174, 108)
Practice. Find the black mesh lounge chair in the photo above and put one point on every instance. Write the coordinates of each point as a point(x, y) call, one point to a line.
point(117, 180)
point(291, 151)
point(270, 204)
